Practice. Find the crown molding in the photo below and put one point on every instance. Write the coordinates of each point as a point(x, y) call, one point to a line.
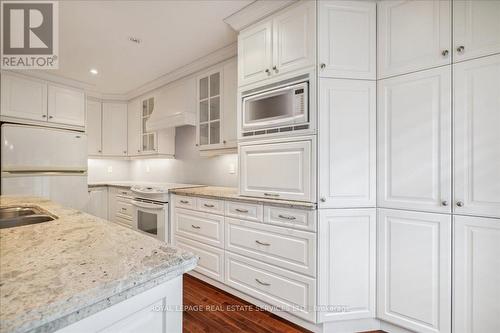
point(254, 12)
point(199, 64)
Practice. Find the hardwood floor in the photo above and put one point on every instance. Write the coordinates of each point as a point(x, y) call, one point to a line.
point(211, 310)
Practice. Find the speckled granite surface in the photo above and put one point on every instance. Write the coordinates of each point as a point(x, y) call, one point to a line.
point(55, 273)
point(231, 193)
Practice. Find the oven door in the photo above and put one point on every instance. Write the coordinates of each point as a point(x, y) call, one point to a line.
point(151, 218)
point(278, 107)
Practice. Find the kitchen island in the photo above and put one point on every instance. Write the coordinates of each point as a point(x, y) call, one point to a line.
point(80, 273)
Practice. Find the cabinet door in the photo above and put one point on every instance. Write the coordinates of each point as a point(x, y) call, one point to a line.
point(294, 41)
point(134, 109)
point(476, 28)
point(414, 272)
point(94, 127)
point(346, 266)
point(66, 105)
point(278, 170)
point(229, 103)
point(114, 129)
point(476, 275)
point(413, 35)
point(254, 53)
point(23, 97)
point(347, 34)
point(347, 149)
point(414, 128)
point(477, 137)
point(98, 202)
point(210, 97)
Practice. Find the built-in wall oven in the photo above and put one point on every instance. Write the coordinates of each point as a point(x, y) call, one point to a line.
point(275, 108)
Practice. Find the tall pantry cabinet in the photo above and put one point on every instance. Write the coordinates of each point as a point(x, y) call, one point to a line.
point(438, 164)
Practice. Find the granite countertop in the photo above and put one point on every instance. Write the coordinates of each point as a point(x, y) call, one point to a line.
point(55, 273)
point(231, 193)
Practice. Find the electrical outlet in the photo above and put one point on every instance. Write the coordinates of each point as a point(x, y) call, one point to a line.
point(232, 169)
point(110, 169)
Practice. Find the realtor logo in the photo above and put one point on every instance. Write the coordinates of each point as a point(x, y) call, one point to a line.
point(29, 35)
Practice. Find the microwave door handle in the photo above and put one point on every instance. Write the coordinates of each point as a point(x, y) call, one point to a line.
point(146, 205)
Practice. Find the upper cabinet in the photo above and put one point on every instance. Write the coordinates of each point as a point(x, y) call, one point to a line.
point(279, 45)
point(347, 39)
point(30, 100)
point(94, 127)
point(413, 35)
point(476, 28)
point(114, 129)
point(216, 104)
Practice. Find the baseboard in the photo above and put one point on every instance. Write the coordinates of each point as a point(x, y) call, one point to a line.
point(352, 326)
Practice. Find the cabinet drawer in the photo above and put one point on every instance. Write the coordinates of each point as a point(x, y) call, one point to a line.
point(276, 286)
point(290, 217)
point(210, 205)
point(123, 192)
point(184, 202)
point(246, 211)
point(123, 221)
point(203, 227)
point(290, 249)
point(211, 259)
point(124, 209)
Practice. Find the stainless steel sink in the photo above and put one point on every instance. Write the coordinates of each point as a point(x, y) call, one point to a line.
point(18, 216)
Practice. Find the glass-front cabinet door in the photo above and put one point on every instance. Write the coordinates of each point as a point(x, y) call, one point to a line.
point(148, 139)
point(209, 109)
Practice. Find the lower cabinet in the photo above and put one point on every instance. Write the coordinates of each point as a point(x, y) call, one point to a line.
point(347, 264)
point(414, 272)
point(97, 203)
point(476, 281)
point(119, 206)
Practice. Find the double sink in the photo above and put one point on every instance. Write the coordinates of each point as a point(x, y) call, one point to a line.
point(11, 217)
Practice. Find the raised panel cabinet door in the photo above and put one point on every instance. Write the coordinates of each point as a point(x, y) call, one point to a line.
point(347, 148)
point(23, 97)
point(66, 105)
point(347, 264)
point(477, 137)
point(414, 270)
point(413, 35)
point(414, 141)
point(278, 170)
point(255, 53)
point(476, 274)
point(294, 41)
point(476, 28)
point(94, 127)
point(134, 134)
point(98, 202)
point(347, 37)
point(229, 103)
point(114, 129)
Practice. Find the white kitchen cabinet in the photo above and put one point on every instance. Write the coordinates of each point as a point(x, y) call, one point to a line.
point(476, 275)
point(347, 34)
point(114, 129)
point(414, 141)
point(23, 97)
point(413, 35)
point(347, 264)
point(98, 202)
point(278, 170)
point(347, 147)
point(477, 137)
point(281, 44)
point(66, 105)
point(414, 272)
point(476, 28)
point(94, 127)
point(120, 206)
point(229, 103)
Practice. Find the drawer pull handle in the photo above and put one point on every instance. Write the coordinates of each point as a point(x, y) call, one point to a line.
point(287, 217)
point(239, 210)
point(124, 193)
point(209, 206)
point(184, 201)
point(262, 283)
point(271, 195)
point(262, 243)
point(195, 226)
point(123, 208)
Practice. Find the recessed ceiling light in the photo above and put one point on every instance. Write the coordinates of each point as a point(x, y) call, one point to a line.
point(135, 40)
point(94, 71)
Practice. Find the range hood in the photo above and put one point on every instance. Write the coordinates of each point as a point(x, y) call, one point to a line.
point(175, 105)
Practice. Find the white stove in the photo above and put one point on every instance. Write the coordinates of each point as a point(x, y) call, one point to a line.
point(150, 208)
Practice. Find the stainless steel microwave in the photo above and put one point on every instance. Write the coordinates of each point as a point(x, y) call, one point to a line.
point(273, 109)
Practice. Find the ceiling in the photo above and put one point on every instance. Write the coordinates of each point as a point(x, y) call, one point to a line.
point(94, 34)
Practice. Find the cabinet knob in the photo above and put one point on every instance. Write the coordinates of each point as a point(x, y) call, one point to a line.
point(50, 117)
point(124, 151)
point(445, 53)
point(444, 203)
point(138, 150)
point(44, 116)
point(275, 69)
point(461, 49)
point(322, 66)
point(268, 71)
point(224, 142)
point(196, 145)
point(100, 151)
point(322, 199)
point(460, 204)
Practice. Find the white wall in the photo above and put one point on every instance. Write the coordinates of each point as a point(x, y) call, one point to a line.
point(187, 167)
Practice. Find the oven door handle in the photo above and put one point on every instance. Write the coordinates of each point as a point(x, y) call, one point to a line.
point(146, 205)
